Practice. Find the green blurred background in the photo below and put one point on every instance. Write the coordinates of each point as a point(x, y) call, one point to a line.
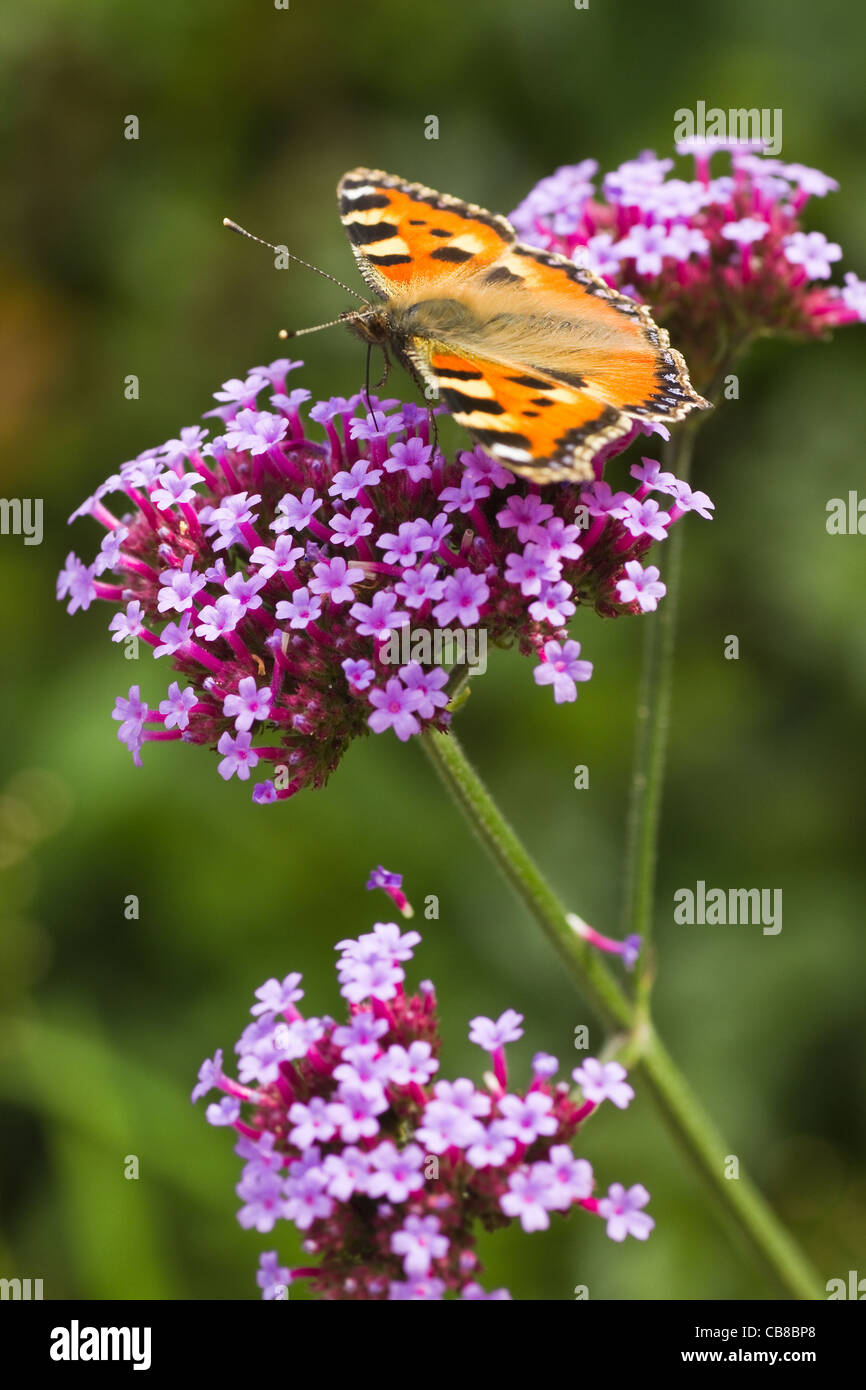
point(114, 261)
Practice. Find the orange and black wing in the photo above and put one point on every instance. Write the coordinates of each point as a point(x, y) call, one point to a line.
point(530, 423)
point(628, 361)
point(401, 232)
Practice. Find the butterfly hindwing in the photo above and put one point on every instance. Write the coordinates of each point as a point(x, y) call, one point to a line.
point(530, 423)
point(635, 367)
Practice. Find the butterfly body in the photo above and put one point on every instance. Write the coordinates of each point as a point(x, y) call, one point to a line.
point(540, 360)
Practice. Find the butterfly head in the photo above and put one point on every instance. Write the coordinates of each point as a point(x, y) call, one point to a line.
point(372, 325)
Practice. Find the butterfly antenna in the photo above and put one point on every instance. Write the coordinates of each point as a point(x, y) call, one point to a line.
point(282, 251)
point(299, 332)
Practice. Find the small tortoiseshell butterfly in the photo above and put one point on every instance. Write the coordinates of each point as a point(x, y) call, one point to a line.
point(537, 357)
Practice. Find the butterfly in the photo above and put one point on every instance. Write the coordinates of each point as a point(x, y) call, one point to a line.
point(538, 358)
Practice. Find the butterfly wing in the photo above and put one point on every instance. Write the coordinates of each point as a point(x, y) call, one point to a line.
point(545, 363)
point(555, 365)
point(404, 233)
point(530, 423)
point(607, 340)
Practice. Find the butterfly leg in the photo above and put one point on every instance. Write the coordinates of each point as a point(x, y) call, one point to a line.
point(370, 411)
point(387, 369)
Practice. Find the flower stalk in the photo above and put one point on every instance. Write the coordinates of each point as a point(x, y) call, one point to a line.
point(745, 1209)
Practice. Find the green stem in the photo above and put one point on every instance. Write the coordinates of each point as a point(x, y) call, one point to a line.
point(582, 961)
point(743, 1204)
point(651, 737)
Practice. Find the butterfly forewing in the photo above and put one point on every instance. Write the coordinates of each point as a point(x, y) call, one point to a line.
point(403, 232)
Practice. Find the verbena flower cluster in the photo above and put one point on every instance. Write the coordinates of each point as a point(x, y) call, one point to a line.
point(302, 586)
point(720, 257)
point(388, 1170)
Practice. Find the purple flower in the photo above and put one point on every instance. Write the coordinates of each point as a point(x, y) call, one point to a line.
point(132, 712)
point(261, 575)
point(569, 1178)
point(553, 604)
point(275, 997)
point(492, 1148)
point(348, 530)
point(598, 255)
point(747, 230)
point(464, 496)
point(641, 586)
point(644, 518)
point(376, 619)
point(395, 1173)
point(347, 484)
point(419, 1243)
point(359, 674)
point(684, 242)
point(526, 1198)
point(219, 619)
point(646, 246)
point(561, 669)
point(237, 390)
point(649, 472)
point(491, 1036)
point(209, 1075)
point(177, 706)
point(689, 501)
point(273, 1279)
point(853, 294)
point(813, 252)
point(312, 1123)
point(406, 545)
point(604, 1081)
point(248, 705)
point(245, 589)
point(811, 181)
point(280, 558)
point(223, 1112)
point(419, 586)
point(335, 579)
point(387, 1173)
point(300, 610)
point(354, 1114)
point(411, 457)
point(174, 490)
point(414, 1064)
point(427, 684)
point(127, 624)
point(238, 757)
point(295, 513)
point(462, 596)
point(527, 513)
point(526, 1118)
point(180, 587)
point(622, 1211)
point(534, 567)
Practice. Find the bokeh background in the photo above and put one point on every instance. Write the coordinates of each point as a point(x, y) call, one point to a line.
point(114, 261)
